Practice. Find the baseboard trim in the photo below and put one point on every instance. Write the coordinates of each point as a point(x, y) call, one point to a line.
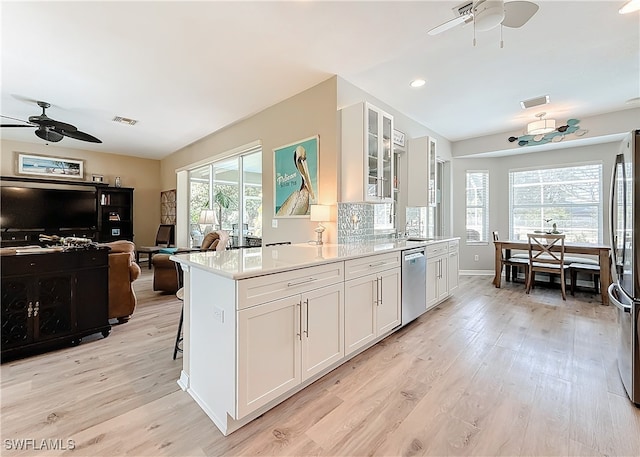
point(477, 272)
point(183, 382)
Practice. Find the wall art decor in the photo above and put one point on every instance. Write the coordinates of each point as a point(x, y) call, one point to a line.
point(296, 177)
point(49, 167)
point(168, 207)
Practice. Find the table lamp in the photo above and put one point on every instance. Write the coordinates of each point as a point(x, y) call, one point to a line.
point(207, 217)
point(320, 214)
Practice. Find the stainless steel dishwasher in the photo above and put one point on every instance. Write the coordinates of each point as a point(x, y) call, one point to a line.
point(414, 284)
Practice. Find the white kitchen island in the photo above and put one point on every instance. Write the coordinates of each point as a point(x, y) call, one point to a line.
point(260, 324)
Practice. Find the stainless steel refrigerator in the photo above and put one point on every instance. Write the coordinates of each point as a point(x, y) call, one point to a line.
point(624, 292)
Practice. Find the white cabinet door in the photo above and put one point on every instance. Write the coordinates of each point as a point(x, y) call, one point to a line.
point(367, 154)
point(433, 268)
point(322, 329)
point(454, 271)
point(268, 352)
point(359, 315)
point(443, 278)
point(388, 308)
point(372, 307)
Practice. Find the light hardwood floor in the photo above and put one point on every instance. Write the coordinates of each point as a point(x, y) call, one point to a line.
point(488, 372)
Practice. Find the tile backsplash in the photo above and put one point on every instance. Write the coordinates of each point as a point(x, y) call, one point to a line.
point(355, 222)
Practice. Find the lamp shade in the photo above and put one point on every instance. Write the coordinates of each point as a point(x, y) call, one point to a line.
point(320, 213)
point(541, 126)
point(207, 217)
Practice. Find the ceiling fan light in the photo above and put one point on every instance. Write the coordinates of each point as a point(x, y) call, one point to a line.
point(541, 127)
point(630, 7)
point(489, 15)
point(48, 135)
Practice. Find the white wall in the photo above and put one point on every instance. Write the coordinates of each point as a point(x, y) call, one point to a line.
point(499, 168)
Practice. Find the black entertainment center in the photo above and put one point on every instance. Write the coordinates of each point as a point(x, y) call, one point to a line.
point(30, 207)
point(58, 295)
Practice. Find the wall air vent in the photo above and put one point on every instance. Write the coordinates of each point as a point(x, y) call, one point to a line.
point(125, 120)
point(543, 100)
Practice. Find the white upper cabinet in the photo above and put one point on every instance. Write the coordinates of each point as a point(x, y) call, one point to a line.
point(422, 170)
point(367, 157)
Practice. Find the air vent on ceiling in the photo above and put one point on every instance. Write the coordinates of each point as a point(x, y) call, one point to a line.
point(125, 120)
point(543, 100)
point(464, 8)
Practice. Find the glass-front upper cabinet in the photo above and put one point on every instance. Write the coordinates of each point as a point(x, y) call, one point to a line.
point(368, 155)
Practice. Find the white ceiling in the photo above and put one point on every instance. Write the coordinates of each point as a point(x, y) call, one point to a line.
point(187, 69)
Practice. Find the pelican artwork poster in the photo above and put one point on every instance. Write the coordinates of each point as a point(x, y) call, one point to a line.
point(296, 177)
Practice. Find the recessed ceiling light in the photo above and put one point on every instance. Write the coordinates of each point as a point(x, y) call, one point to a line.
point(633, 101)
point(417, 83)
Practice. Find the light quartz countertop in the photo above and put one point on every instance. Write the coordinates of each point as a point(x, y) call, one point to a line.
point(250, 262)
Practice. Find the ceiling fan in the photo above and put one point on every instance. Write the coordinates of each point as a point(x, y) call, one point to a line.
point(488, 14)
point(51, 130)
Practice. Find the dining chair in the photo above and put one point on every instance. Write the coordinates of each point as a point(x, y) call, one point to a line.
point(165, 237)
point(546, 254)
point(512, 263)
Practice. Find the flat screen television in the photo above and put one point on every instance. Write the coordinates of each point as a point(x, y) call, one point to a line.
point(23, 208)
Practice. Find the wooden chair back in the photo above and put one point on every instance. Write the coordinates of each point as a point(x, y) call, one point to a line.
point(546, 249)
point(166, 235)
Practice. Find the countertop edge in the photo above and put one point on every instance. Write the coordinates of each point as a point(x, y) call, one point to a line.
point(187, 258)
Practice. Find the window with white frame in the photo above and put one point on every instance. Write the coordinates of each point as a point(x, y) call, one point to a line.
point(567, 199)
point(477, 214)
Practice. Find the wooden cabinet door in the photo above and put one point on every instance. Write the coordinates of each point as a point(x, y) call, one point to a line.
point(17, 327)
point(269, 338)
point(54, 309)
point(322, 329)
point(359, 315)
point(388, 308)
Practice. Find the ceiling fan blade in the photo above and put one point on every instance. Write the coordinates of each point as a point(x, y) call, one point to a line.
point(17, 125)
point(449, 24)
point(78, 135)
point(518, 13)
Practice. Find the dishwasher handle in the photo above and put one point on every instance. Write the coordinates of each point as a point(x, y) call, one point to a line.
point(413, 255)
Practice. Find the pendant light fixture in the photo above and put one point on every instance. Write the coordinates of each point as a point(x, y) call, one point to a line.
point(541, 126)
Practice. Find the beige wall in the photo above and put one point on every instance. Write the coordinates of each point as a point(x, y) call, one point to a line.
point(141, 174)
point(312, 112)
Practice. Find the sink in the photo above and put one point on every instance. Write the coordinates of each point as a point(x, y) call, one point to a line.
point(419, 239)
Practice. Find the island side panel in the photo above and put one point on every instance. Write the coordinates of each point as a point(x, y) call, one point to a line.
point(212, 345)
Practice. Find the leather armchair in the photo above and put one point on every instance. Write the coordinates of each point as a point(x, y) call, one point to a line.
point(165, 275)
point(123, 270)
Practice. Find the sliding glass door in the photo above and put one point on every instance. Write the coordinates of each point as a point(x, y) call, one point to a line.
point(227, 195)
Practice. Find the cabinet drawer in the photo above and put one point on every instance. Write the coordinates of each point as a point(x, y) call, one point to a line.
point(371, 264)
point(453, 245)
point(17, 265)
point(434, 250)
point(262, 289)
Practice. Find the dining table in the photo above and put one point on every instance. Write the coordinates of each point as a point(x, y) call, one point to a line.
point(602, 251)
